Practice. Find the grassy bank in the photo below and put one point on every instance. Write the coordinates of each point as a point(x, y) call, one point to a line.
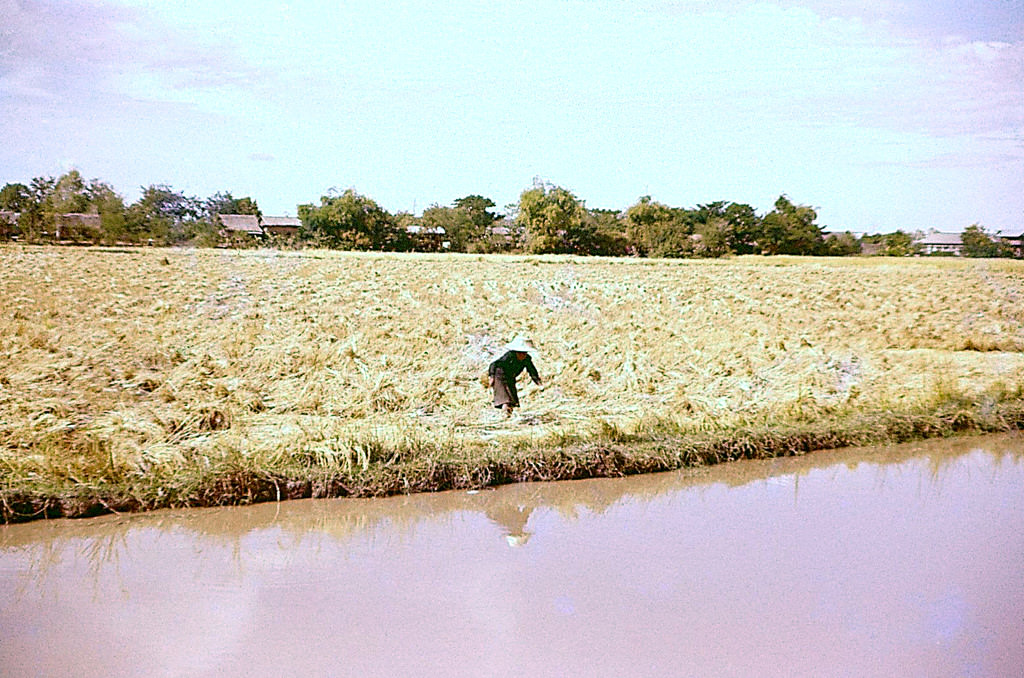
point(151, 378)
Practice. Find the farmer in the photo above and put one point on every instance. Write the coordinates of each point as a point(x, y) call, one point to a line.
point(504, 370)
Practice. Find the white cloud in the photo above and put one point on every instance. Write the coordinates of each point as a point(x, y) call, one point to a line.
point(416, 102)
point(67, 53)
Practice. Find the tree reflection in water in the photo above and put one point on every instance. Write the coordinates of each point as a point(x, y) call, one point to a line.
point(107, 544)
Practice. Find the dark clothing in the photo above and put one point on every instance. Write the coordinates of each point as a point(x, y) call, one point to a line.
point(505, 392)
point(513, 366)
point(504, 371)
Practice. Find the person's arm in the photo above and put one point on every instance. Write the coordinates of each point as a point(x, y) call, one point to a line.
point(532, 371)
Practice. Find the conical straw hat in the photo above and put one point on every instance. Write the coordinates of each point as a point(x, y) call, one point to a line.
point(521, 344)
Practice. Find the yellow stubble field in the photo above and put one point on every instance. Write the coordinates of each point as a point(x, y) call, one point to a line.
point(155, 355)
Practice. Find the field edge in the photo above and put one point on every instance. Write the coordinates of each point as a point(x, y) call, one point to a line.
point(241, 480)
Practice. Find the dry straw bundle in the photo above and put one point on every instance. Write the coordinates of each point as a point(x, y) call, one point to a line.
point(116, 365)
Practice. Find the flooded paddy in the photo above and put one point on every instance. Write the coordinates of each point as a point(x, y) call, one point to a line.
point(870, 562)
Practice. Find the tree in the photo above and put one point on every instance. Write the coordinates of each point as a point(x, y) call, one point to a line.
point(478, 208)
point(457, 224)
point(555, 220)
point(841, 245)
point(610, 239)
point(14, 197)
point(978, 243)
point(898, 244)
point(468, 223)
point(742, 227)
point(713, 237)
point(790, 229)
point(657, 230)
point(165, 216)
point(69, 194)
point(225, 203)
point(351, 222)
point(110, 206)
point(36, 219)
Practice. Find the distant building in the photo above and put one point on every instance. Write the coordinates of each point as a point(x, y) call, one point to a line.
point(77, 226)
point(935, 242)
point(417, 229)
point(241, 224)
point(428, 238)
point(281, 225)
point(503, 227)
point(8, 224)
point(1016, 242)
point(856, 234)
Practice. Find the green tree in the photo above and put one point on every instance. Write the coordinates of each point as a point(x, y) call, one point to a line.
point(790, 229)
point(610, 237)
point(898, 244)
point(978, 243)
point(657, 230)
point(713, 237)
point(36, 219)
point(841, 245)
point(71, 194)
point(351, 221)
point(68, 196)
point(555, 220)
point(106, 202)
point(742, 225)
point(14, 198)
point(479, 210)
point(165, 216)
point(456, 223)
point(225, 203)
point(469, 223)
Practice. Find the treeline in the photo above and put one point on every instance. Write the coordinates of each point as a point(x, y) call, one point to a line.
point(550, 219)
point(546, 219)
point(70, 209)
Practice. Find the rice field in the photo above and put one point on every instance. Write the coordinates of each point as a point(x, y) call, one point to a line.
point(124, 367)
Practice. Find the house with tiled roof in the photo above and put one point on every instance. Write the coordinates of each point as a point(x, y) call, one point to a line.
point(77, 226)
point(1016, 242)
point(281, 225)
point(937, 242)
point(240, 224)
point(8, 224)
point(428, 238)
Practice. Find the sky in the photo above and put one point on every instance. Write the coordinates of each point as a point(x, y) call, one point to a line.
point(881, 114)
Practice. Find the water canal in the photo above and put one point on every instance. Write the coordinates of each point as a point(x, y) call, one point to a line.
point(870, 562)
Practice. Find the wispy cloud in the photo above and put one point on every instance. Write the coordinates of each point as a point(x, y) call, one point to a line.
point(989, 20)
point(688, 99)
point(65, 53)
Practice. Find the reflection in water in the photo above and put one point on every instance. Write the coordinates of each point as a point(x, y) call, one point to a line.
point(508, 507)
point(854, 558)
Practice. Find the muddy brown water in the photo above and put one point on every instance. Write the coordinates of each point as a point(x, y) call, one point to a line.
point(901, 561)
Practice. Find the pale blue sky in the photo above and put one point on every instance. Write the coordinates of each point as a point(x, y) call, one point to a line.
point(883, 114)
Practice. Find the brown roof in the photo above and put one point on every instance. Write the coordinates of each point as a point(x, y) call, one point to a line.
point(281, 222)
point(939, 238)
point(241, 223)
point(93, 220)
